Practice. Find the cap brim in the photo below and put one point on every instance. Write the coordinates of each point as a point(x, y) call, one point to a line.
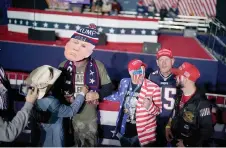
point(176, 71)
point(171, 57)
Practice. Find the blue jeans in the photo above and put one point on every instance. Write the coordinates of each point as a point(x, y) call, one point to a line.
point(130, 142)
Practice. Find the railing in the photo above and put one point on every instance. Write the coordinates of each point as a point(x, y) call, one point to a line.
point(179, 23)
point(215, 42)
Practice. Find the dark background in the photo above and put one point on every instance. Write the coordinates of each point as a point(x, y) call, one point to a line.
point(221, 11)
point(38, 4)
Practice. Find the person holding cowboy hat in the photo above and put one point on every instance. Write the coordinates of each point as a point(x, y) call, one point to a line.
point(10, 130)
point(45, 78)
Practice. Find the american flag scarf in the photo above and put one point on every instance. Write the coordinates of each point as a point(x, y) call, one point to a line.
point(91, 76)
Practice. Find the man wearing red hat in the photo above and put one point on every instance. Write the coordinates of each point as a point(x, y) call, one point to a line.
point(192, 122)
point(140, 102)
point(166, 80)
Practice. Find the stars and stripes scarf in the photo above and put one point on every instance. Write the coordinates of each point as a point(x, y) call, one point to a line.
point(91, 76)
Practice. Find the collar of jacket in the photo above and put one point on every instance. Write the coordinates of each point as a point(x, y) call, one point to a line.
point(199, 95)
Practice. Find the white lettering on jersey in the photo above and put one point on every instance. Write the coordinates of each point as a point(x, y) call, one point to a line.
point(164, 83)
point(167, 92)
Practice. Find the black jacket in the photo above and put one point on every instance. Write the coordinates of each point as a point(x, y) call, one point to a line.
point(193, 123)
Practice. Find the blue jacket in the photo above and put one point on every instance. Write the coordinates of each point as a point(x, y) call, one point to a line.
point(52, 133)
point(119, 97)
point(145, 115)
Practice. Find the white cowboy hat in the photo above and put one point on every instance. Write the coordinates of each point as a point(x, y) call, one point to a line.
point(43, 78)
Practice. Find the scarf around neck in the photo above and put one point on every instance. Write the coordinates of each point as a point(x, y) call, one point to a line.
point(91, 77)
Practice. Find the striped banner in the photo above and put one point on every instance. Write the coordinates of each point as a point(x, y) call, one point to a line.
point(117, 29)
point(188, 7)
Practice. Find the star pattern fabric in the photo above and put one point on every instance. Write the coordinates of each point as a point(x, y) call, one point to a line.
point(92, 74)
point(68, 26)
point(117, 97)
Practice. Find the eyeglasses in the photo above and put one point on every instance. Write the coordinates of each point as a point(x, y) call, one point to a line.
point(137, 72)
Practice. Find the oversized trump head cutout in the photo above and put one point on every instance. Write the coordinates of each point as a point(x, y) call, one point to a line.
point(137, 71)
point(81, 44)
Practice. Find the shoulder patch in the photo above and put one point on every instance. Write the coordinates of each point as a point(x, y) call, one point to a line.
point(205, 112)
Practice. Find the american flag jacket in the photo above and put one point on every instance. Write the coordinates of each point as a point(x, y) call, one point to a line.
point(145, 118)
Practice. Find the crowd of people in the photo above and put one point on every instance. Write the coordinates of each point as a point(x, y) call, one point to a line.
point(167, 108)
point(113, 7)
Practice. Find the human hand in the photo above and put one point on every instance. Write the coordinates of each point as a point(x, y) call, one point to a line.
point(32, 95)
point(180, 143)
point(147, 103)
point(169, 135)
point(85, 89)
point(69, 98)
point(91, 96)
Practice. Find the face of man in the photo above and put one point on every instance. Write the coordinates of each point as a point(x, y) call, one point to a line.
point(181, 81)
point(77, 50)
point(165, 64)
point(137, 76)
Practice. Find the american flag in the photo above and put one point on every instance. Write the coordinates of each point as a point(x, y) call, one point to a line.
point(188, 7)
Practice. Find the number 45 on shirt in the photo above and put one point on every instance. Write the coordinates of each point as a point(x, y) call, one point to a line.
point(168, 98)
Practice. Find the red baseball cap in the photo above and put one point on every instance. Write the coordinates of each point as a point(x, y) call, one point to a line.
point(136, 64)
point(164, 52)
point(188, 70)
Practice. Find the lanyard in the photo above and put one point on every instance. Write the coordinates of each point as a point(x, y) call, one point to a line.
point(131, 93)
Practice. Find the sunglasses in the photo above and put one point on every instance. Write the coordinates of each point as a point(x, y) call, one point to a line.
point(138, 72)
